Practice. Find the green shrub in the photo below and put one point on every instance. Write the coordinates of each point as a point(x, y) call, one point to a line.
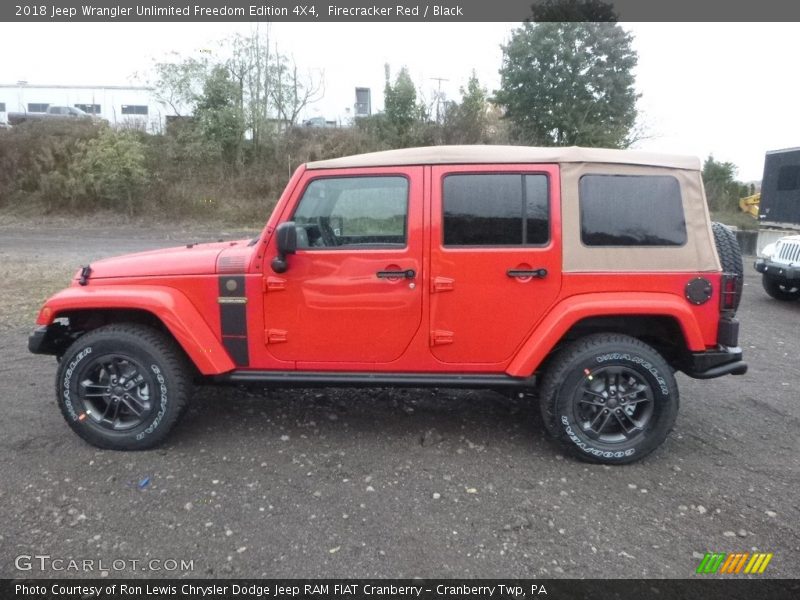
point(110, 171)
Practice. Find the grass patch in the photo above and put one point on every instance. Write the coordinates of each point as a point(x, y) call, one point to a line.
point(735, 219)
point(26, 285)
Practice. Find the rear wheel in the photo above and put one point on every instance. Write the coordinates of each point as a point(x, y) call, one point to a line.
point(609, 398)
point(123, 387)
point(780, 290)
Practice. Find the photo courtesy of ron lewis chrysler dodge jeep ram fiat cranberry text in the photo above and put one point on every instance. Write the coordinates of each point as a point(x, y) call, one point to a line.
point(588, 276)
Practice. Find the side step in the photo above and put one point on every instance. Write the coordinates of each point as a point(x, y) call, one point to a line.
point(357, 379)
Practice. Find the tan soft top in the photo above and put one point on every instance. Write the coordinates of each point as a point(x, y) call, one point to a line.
point(440, 155)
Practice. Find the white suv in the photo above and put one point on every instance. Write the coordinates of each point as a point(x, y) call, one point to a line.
point(779, 263)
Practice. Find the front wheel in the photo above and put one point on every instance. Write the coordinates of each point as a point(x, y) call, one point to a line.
point(123, 386)
point(609, 398)
point(780, 290)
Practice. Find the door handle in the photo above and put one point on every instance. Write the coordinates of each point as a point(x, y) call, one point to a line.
point(407, 274)
point(538, 273)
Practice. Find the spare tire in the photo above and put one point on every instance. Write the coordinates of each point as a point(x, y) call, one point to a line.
point(730, 256)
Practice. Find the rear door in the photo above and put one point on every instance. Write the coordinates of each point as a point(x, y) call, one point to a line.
point(495, 258)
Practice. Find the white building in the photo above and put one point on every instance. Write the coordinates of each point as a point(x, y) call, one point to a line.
point(121, 106)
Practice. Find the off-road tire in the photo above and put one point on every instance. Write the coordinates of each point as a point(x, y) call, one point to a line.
point(730, 256)
point(132, 349)
point(564, 388)
point(780, 290)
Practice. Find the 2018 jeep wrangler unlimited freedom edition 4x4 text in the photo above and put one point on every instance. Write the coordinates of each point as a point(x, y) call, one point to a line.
point(590, 275)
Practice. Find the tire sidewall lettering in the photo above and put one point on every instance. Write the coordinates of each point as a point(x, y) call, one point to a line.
point(163, 393)
point(637, 360)
point(590, 449)
point(66, 391)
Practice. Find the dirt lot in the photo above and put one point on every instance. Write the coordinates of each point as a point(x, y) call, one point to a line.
point(389, 483)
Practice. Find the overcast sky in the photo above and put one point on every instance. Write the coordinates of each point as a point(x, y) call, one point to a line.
point(729, 89)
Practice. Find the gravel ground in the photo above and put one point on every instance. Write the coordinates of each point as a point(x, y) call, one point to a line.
point(384, 482)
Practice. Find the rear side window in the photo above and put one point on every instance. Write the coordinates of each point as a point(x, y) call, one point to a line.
point(495, 210)
point(631, 210)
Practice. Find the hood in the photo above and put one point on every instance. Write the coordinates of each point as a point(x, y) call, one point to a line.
point(192, 259)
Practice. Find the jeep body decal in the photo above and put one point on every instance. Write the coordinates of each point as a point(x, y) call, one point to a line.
point(233, 318)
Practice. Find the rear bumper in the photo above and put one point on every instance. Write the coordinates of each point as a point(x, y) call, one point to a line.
point(777, 270)
point(715, 363)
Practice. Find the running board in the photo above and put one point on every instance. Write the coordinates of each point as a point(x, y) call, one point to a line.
point(356, 379)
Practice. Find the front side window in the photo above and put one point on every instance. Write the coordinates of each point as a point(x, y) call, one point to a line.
point(353, 212)
point(497, 209)
point(631, 210)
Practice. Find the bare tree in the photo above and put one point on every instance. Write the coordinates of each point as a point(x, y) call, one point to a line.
point(290, 91)
point(178, 84)
point(250, 68)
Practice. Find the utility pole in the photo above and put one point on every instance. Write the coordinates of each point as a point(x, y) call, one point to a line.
point(439, 80)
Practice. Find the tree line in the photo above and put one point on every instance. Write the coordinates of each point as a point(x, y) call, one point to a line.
point(236, 136)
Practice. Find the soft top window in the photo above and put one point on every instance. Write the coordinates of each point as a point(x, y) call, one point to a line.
point(631, 210)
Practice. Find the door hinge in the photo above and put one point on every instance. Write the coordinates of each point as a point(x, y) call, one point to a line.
point(440, 337)
point(274, 284)
point(276, 336)
point(442, 284)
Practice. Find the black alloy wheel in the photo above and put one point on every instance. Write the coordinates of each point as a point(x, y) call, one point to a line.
point(116, 392)
point(614, 404)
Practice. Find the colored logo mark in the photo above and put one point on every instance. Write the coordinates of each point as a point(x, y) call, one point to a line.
point(741, 562)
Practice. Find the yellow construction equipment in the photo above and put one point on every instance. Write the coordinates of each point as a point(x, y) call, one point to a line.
point(750, 204)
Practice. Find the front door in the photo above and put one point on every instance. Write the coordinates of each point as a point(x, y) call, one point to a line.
point(495, 259)
point(350, 293)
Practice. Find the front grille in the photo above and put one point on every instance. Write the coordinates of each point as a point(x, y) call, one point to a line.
point(788, 252)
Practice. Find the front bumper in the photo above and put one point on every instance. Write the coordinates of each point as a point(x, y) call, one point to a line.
point(777, 270)
point(49, 339)
point(715, 363)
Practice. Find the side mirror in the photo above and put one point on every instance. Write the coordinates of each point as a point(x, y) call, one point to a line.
point(286, 238)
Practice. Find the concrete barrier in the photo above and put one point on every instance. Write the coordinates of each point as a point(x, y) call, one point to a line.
point(752, 242)
point(748, 241)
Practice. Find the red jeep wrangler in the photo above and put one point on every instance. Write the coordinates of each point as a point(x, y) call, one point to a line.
point(590, 275)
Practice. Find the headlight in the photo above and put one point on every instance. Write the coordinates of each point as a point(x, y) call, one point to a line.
point(768, 250)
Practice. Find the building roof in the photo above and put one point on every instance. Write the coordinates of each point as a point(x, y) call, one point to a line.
point(32, 86)
point(441, 155)
point(783, 150)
